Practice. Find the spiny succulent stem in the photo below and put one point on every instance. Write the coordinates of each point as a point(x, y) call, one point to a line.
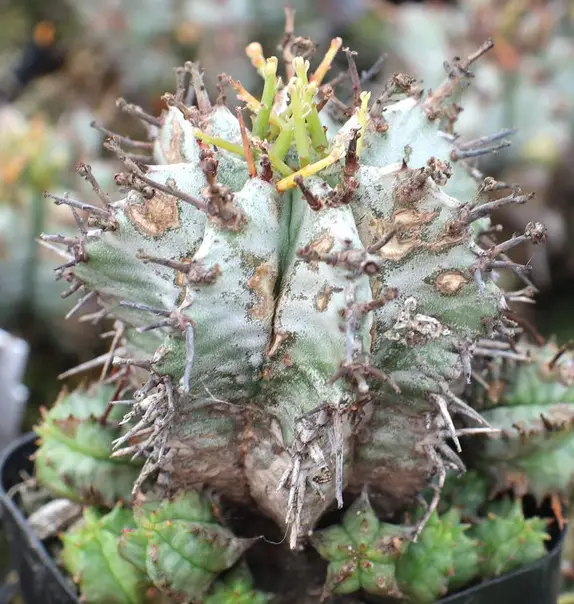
point(266, 168)
point(137, 112)
point(534, 232)
point(442, 406)
point(325, 64)
point(450, 456)
point(86, 207)
point(446, 89)
point(85, 172)
point(69, 264)
point(152, 326)
point(203, 102)
point(118, 335)
point(466, 154)
point(189, 356)
point(145, 307)
point(180, 83)
point(473, 431)
point(355, 79)
point(492, 353)
point(261, 125)
point(530, 287)
point(373, 249)
point(463, 407)
point(494, 344)
point(72, 289)
point(354, 260)
point(126, 401)
point(197, 203)
point(124, 140)
point(374, 70)
point(91, 364)
point(439, 465)
point(564, 348)
point(289, 182)
point(494, 264)
point(121, 362)
point(87, 298)
point(487, 208)
point(181, 267)
point(314, 202)
point(95, 317)
point(484, 140)
point(54, 249)
point(246, 148)
point(105, 416)
point(69, 241)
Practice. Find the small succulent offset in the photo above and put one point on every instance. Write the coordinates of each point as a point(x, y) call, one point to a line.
point(297, 306)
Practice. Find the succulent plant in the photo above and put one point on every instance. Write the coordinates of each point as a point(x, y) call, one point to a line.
point(507, 540)
point(91, 551)
point(362, 552)
point(528, 397)
point(297, 306)
point(533, 56)
point(529, 72)
point(36, 156)
point(236, 587)
point(180, 546)
point(378, 557)
point(76, 440)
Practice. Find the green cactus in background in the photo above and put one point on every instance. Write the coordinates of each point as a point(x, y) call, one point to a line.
point(76, 440)
point(529, 398)
point(35, 156)
point(364, 553)
point(296, 307)
point(507, 540)
point(179, 545)
point(528, 74)
point(236, 587)
point(532, 60)
point(91, 557)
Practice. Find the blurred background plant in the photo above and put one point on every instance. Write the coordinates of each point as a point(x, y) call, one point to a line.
point(524, 89)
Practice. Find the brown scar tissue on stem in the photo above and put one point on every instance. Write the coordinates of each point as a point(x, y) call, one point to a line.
point(278, 339)
point(154, 216)
point(173, 152)
point(262, 283)
point(180, 278)
point(323, 245)
point(450, 282)
point(409, 224)
point(323, 298)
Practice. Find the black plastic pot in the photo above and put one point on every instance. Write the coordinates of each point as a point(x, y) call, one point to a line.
point(41, 581)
